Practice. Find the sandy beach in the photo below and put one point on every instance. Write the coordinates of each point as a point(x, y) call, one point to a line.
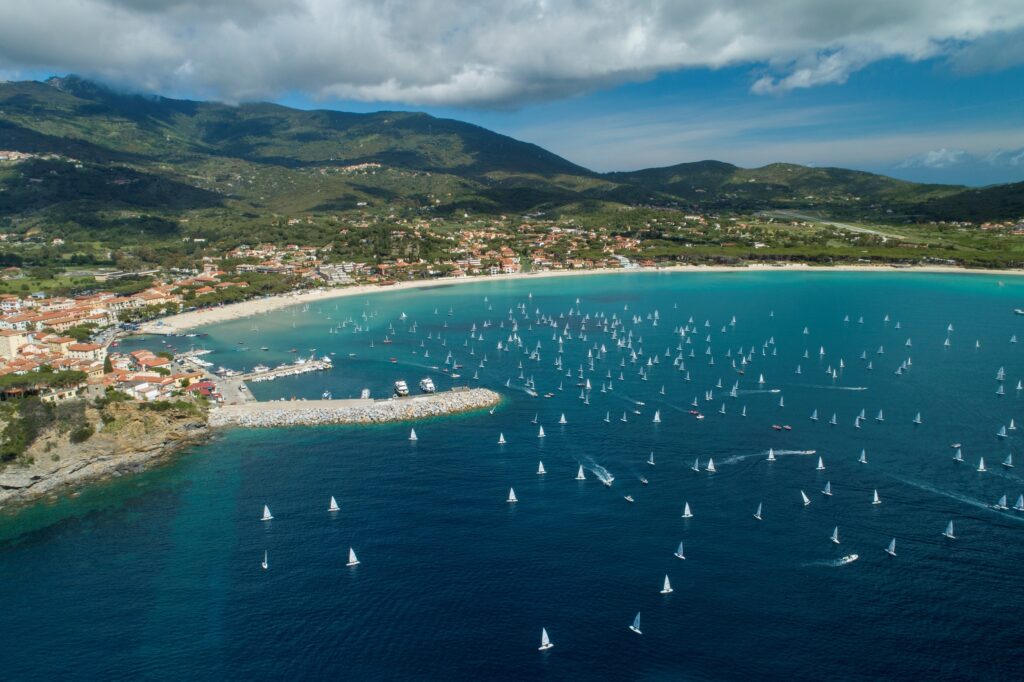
point(183, 322)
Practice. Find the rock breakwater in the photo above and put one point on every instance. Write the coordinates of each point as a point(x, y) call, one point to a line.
point(312, 412)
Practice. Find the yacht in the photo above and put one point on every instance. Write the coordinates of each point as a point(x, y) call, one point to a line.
point(427, 385)
point(401, 388)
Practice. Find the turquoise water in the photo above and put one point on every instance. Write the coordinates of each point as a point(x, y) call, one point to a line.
point(158, 575)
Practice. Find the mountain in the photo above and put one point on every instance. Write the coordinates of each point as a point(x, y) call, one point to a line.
point(132, 167)
point(999, 202)
point(783, 185)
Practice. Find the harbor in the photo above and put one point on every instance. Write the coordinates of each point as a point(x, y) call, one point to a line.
point(265, 414)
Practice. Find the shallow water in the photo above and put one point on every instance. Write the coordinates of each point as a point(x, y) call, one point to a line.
point(158, 575)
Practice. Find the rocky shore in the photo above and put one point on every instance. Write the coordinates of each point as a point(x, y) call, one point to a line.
point(311, 412)
point(130, 440)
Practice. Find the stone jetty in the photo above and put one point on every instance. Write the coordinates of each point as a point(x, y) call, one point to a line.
point(310, 412)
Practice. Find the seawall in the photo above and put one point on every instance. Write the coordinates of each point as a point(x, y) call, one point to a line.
point(312, 412)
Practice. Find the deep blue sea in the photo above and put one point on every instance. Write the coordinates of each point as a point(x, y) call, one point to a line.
point(158, 576)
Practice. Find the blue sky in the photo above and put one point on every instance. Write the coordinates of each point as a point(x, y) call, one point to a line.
point(920, 89)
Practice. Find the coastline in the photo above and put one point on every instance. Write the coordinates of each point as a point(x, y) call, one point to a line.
point(182, 322)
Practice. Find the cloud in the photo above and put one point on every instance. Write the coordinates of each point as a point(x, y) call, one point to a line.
point(936, 158)
point(489, 53)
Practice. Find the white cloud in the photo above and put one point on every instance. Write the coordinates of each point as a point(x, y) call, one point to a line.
point(936, 158)
point(485, 53)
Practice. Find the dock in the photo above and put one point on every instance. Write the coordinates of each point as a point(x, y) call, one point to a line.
point(265, 414)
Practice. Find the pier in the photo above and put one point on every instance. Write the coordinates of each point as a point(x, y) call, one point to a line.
point(285, 370)
point(263, 414)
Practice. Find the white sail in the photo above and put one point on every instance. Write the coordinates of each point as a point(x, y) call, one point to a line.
point(511, 496)
point(650, 460)
point(981, 465)
point(835, 535)
point(266, 514)
point(657, 416)
point(540, 433)
point(561, 420)
point(821, 464)
point(352, 560)
point(580, 476)
point(875, 499)
point(863, 457)
point(771, 455)
point(949, 531)
point(711, 465)
point(501, 439)
point(540, 469)
point(806, 499)
point(1019, 506)
point(334, 505)
point(1008, 462)
point(757, 514)
point(666, 587)
point(687, 514)
point(679, 551)
point(265, 564)
point(412, 434)
point(891, 549)
point(828, 488)
point(545, 641)
point(635, 627)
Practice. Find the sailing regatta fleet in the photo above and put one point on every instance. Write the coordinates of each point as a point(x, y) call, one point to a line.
point(608, 345)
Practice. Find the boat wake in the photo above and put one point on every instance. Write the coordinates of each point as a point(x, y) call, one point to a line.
point(833, 563)
point(602, 473)
point(750, 391)
point(764, 455)
point(959, 498)
point(836, 388)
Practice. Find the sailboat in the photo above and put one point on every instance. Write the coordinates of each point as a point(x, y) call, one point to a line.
point(875, 499)
point(959, 456)
point(635, 627)
point(412, 434)
point(880, 417)
point(814, 416)
point(891, 549)
point(1001, 503)
point(679, 551)
point(561, 420)
point(1019, 505)
point(657, 417)
point(608, 417)
point(540, 469)
point(540, 434)
point(501, 439)
point(917, 418)
point(545, 641)
point(266, 514)
point(711, 465)
point(580, 476)
point(949, 531)
point(264, 563)
point(981, 465)
point(757, 514)
point(1001, 433)
point(828, 489)
point(771, 455)
point(696, 465)
point(835, 535)
point(1008, 462)
point(821, 464)
point(666, 587)
point(511, 496)
point(352, 560)
point(333, 507)
point(806, 499)
point(650, 460)
point(687, 514)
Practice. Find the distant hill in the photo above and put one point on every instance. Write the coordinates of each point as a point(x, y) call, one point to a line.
point(234, 167)
point(999, 202)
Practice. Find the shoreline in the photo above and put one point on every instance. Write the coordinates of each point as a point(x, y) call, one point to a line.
point(182, 322)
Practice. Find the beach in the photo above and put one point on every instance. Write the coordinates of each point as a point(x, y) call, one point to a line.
point(183, 322)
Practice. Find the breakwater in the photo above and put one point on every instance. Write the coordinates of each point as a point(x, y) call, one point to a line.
point(357, 411)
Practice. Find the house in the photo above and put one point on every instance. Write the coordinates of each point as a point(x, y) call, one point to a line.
point(86, 351)
point(11, 341)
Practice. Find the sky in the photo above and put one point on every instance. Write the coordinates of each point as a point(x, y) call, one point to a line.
point(925, 90)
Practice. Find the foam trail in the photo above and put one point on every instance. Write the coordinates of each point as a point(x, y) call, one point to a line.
point(954, 496)
point(764, 455)
point(831, 563)
point(749, 391)
point(836, 388)
point(602, 473)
